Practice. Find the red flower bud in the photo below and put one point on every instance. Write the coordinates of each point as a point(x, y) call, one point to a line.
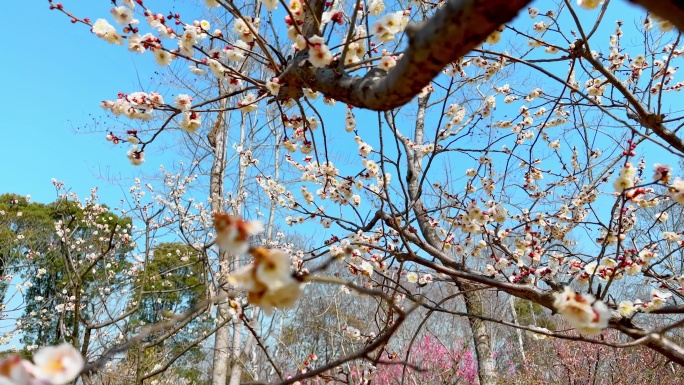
point(337, 18)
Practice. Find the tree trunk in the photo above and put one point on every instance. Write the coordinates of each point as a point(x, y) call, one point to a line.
point(236, 364)
point(518, 332)
point(217, 138)
point(236, 352)
point(486, 366)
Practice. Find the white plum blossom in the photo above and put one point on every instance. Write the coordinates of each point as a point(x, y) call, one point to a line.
point(273, 86)
point(248, 104)
point(319, 53)
point(270, 5)
point(191, 121)
point(367, 268)
point(387, 62)
point(388, 26)
point(136, 156)
point(589, 4)
point(232, 232)
point(58, 365)
point(237, 51)
point(627, 308)
point(183, 102)
point(197, 71)
point(123, 16)
point(625, 179)
point(162, 57)
point(582, 311)
point(106, 31)
point(676, 191)
point(268, 281)
point(52, 365)
point(135, 43)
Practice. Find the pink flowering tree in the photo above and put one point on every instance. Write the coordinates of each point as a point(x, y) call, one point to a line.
point(447, 156)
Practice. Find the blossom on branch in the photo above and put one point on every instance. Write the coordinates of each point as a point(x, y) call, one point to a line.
point(268, 281)
point(191, 121)
point(106, 31)
point(135, 156)
point(677, 191)
point(319, 53)
point(232, 232)
point(585, 313)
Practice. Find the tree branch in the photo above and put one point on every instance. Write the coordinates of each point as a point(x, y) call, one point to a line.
point(672, 10)
point(456, 28)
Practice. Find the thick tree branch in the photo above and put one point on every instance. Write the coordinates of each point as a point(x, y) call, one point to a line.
point(457, 28)
point(672, 10)
point(658, 342)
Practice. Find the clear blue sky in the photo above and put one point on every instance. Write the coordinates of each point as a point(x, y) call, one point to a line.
point(53, 76)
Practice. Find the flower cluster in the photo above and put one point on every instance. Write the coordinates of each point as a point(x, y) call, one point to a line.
point(626, 178)
point(386, 28)
point(106, 31)
point(137, 105)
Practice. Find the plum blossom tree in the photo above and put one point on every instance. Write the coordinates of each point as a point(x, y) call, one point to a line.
point(482, 157)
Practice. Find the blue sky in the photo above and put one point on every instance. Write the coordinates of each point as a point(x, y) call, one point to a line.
point(49, 107)
point(50, 101)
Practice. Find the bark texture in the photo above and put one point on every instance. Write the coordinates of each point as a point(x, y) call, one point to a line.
point(486, 366)
point(236, 362)
point(217, 139)
point(457, 28)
